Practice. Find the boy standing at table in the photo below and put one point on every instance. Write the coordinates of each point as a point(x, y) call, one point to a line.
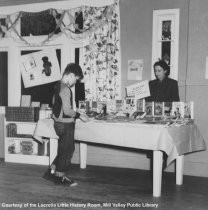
point(64, 123)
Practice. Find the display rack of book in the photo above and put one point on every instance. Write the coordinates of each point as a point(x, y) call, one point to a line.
point(21, 147)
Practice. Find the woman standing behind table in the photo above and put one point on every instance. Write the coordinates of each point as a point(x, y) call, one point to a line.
point(163, 88)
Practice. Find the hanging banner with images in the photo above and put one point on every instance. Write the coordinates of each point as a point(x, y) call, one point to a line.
point(138, 90)
point(40, 68)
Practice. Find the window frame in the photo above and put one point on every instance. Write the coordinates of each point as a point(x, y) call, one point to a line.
point(5, 49)
point(158, 17)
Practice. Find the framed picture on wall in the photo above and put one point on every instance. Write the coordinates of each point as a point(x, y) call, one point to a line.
point(40, 68)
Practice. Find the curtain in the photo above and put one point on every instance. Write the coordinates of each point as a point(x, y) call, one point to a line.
point(102, 55)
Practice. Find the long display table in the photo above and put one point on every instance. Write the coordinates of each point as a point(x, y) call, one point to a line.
point(175, 141)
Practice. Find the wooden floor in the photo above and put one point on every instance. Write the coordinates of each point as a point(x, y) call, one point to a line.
point(23, 184)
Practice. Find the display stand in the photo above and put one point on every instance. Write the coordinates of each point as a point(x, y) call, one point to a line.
point(21, 147)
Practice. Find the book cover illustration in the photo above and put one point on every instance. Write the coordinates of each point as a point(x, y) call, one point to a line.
point(158, 109)
point(167, 109)
point(11, 130)
point(13, 146)
point(149, 108)
point(82, 106)
point(189, 110)
point(101, 107)
point(29, 147)
point(130, 105)
point(119, 105)
point(94, 106)
point(140, 105)
point(177, 110)
point(111, 106)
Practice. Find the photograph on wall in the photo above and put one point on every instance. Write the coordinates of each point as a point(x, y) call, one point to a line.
point(40, 68)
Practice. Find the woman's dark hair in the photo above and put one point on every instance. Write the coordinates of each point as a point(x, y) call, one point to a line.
point(164, 65)
point(75, 69)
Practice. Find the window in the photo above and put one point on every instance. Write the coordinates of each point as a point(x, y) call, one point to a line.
point(77, 57)
point(165, 39)
point(3, 77)
point(3, 26)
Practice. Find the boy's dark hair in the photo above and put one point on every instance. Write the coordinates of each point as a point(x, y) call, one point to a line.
point(164, 65)
point(75, 69)
point(45, 59)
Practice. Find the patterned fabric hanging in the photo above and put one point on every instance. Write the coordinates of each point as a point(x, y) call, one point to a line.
point(102, 54)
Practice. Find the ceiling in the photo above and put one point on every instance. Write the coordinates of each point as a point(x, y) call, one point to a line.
point(18, 2)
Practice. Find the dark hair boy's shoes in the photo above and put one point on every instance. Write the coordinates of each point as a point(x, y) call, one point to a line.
point(65, 181)
point(48, 175)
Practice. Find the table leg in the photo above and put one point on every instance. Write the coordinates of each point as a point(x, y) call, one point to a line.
point(53, 150)
point(179, 169)
point(83, 155)
point(157, 172)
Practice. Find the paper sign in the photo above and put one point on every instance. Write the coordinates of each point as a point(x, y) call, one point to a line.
point(138, 90)
point(135, 68)
point(40, 68)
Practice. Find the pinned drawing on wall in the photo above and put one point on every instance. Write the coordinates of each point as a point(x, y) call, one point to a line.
point(40, 68)
point(135, 68)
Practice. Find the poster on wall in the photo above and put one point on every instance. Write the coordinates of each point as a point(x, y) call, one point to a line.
point(135, 69)
point(40, 68)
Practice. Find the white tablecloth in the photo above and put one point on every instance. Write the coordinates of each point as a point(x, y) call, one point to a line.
point(173, 140)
